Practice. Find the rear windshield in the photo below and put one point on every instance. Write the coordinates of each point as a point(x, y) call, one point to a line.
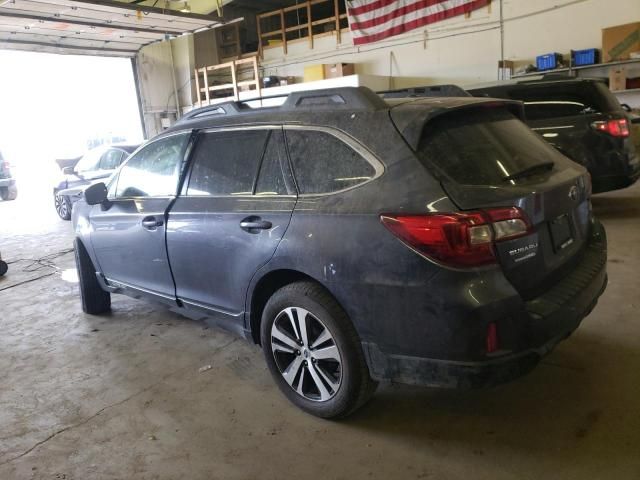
point(481, 147)
point(561, 100)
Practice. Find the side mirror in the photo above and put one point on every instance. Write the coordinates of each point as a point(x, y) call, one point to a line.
point(68, 170)
point(96, 194)
point(625, 107)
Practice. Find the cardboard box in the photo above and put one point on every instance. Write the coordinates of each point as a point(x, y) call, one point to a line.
point(618, 42)
point(617, 78)
point(284, 81)
point(335, 70)
point(633, 83)
point(314, 72)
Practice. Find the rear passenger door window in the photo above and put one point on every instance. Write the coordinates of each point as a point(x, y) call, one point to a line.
point(271, 179)
point(226, 162)
point(323, 163)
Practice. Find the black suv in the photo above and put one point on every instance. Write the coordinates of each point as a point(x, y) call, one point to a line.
point(434, 241)
point(8, 189)
point(582, 119)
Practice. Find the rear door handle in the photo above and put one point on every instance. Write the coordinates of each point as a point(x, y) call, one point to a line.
point(151, 223)
point(255, 223)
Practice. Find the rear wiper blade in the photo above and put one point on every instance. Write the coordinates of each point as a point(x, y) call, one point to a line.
point(532, 170)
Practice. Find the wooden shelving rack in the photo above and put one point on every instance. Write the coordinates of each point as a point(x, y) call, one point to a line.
point(305, 29)
point(209, 91)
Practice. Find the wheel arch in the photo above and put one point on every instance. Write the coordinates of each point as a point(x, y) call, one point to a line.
point(78, 242)
point(265, 287)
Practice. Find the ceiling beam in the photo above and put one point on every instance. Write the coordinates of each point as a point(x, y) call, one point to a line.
point(160, 11)
point(4, 13)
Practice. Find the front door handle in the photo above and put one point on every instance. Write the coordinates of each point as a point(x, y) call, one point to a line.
point(252, 224)
point(151, 223)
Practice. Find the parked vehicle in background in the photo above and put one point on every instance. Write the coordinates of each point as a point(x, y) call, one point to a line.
point(434, 242)
point(97, 164)
point(8, 188)
point(582, 119)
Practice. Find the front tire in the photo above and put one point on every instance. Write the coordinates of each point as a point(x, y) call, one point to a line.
point(63, 206)
point(94, 300)
point(313, 351)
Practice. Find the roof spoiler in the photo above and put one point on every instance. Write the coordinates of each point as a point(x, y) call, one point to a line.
point(411, 118)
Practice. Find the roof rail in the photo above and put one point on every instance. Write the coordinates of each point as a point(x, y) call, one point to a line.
point(342, 98)
point(447, 90)
point(348, 98)
point(547, 77)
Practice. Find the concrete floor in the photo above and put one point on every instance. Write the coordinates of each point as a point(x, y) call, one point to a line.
point(121, 396)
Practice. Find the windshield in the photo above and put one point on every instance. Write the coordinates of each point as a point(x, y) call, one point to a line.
point(483, 147)
point(90, 161)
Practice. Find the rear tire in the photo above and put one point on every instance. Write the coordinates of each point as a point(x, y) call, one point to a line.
point(8, 193)
point(63, 206)
point(3, 267)
point(313, 351)
point(94, 300)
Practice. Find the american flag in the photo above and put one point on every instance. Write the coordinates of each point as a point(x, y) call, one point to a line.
point(373, 20)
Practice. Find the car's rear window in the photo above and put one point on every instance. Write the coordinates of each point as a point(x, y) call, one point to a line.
point(483, 146)
point(560, 100)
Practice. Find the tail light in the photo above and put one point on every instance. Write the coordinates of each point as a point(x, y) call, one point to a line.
point(459, 240)
point(618, 127)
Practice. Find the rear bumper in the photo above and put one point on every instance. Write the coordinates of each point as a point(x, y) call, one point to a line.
point(605, 181)
point(548, 319)
point(7, 182)
point(609, 183)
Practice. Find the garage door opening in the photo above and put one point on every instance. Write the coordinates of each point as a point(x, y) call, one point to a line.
point(56, 107)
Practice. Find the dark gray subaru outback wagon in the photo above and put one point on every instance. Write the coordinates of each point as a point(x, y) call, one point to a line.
point(434, 241)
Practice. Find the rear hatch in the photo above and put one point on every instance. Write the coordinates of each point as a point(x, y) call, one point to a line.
point(486, 158)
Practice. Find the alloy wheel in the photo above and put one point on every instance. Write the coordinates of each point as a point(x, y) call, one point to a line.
point(61, 206)
point(306, 354)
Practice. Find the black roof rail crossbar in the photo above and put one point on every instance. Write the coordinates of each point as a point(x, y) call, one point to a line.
point(447, 90)
point(210, 110)
point(347, 98)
